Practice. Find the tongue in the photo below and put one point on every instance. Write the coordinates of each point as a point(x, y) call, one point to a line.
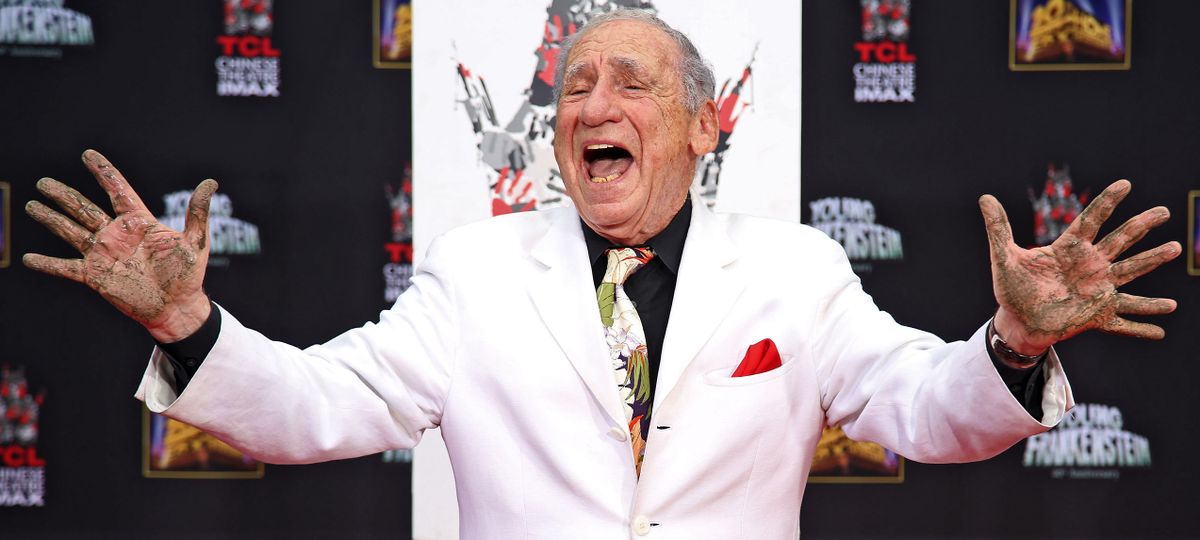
point(605, 167)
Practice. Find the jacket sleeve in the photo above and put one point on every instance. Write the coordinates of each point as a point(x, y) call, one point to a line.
point(911, 392)
point(370, 389)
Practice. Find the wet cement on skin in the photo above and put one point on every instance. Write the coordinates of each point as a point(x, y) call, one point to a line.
point(1087, 298)
point(74, 203)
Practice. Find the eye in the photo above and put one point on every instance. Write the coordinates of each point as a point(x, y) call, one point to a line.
point(634, 87)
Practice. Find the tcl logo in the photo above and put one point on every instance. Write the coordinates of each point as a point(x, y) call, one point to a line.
point(247, 46)
point(884, 52)
point(20, 456)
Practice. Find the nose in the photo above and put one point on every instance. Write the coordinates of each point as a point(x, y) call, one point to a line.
point(601, 106)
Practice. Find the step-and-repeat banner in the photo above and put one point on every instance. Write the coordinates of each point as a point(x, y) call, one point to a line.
point(346, 137)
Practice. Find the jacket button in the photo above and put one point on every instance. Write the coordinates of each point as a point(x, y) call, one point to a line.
point(618, 434)
point(641, 525)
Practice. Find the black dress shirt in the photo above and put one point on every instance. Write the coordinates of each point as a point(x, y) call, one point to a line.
point(651, 289)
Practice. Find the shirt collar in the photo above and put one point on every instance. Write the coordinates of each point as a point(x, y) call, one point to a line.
point(667, 244)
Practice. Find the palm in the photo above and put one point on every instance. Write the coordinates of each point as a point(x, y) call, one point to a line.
point(144, 268)
point(1070, 286)
point(139, 268)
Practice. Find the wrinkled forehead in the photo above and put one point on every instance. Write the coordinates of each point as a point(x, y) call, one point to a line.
point(630, 47)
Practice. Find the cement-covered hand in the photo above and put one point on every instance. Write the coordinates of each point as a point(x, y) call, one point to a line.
point(148, 271)
point(1048, 294)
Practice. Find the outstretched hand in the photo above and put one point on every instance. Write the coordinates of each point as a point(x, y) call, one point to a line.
point(148, 271)
point(1048, 294)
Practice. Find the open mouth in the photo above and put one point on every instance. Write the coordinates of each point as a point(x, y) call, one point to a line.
point(606, 162)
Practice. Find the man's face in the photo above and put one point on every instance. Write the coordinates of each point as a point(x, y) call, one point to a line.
point(625, 142)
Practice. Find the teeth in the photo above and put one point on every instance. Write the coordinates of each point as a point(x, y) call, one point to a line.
point(598, 146)
point(603, 179)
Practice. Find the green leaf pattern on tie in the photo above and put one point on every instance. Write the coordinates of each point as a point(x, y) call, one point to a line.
point(605, 297)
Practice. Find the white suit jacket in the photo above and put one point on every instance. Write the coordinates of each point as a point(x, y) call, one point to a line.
point(499, 342)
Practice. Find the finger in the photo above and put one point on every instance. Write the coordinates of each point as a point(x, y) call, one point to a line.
point(61, 226)
point(196, 224)
point(71, 269)
point(1130, 232)
point(123, 198)
point(1128, 304)
point(1126, 327)
point(1088, 223)
point(999, 232)
point(84, 211)
point(1138, 265)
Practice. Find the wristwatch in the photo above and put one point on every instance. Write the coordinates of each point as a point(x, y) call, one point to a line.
point(1005, 353)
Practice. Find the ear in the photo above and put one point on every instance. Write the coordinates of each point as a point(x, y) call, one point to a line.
point(702, 137)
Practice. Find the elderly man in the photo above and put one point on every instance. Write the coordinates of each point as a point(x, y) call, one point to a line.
point(570, 406)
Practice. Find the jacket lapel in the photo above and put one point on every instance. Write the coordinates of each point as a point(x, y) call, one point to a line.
point(566, 301)
point(707, 286)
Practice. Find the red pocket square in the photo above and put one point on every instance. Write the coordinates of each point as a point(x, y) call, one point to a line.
point(760, 358)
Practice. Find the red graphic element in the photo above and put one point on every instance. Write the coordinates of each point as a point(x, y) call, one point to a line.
point(760, 358)
point(400, 202)
point(247, 46)
point(547, 54)
point(512, 194)
point(399, 253)
point(728, 103)
point(20, 409)
point(1056, 206)
point(885, 19)
point(20, 456)
point(884, 52)
point(248, 16)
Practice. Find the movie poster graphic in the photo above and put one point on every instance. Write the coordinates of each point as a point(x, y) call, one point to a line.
point(5, 226)
point(249, 62)
point(1193, 249)
point(852, 222)
point(886, 70)
point(392, 41)
point(173, 449)
point(42, 28)
point(22, 469)
point(1069, 35)
point(842, 460)
point(1056, 204)
point(1092, 442)
point(228, 236)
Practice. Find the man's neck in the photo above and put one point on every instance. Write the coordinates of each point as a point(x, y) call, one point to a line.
point(667, 243)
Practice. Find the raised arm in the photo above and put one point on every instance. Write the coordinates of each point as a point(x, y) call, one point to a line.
point(933, 401)
point(370, 389)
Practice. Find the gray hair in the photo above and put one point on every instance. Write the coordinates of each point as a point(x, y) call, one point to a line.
point(699, 84)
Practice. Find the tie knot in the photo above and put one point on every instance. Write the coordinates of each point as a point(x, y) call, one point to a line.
point(623, 262)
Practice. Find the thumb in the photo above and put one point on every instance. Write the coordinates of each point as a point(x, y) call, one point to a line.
point(195, 228)
point(998, 230)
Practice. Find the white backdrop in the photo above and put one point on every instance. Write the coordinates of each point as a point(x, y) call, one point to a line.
point(496, 42)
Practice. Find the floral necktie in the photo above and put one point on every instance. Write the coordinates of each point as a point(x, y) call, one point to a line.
point(627, 343)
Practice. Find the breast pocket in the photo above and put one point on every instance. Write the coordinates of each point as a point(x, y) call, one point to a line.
point(723, 376)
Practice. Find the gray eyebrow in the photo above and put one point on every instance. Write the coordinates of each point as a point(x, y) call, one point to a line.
point(630, 65)
point(625, 63)
point(573, 70)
